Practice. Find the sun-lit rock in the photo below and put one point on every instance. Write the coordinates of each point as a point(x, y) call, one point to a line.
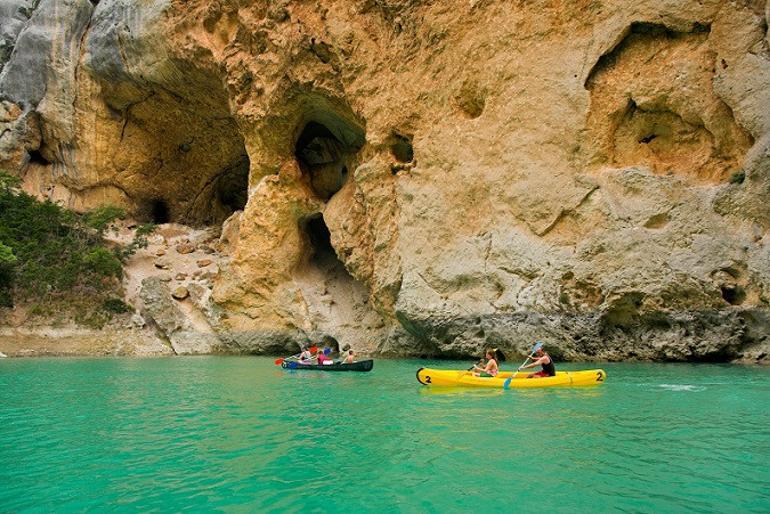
point(422, 178)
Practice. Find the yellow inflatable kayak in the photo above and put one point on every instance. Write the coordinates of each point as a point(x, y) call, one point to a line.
point(450, 377)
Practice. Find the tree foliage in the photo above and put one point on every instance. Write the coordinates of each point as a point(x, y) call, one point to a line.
point(102, 217)
point(46, 249)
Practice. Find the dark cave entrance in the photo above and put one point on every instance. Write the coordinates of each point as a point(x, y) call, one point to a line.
point(231, 190)
point(159, 211)
point(153, 210)
point(337, 305)
point(218, 198)
point(321, 249)
point(36, 157)
point(733, 294)
point(401, 148)
point(325, 151)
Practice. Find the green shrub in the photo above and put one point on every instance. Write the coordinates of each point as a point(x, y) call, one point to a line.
point(103, 262)
point(738, 177)
point(95, 319)
point(7, 260)
point(47, 250)
point(8, 182)
point(116, 306)
point(101, 218)
point(146, 229)
point(140, 240)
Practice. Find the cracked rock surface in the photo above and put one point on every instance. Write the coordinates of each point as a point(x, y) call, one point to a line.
point(413, 177)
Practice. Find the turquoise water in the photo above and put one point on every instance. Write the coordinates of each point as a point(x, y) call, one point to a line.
point(238, 434)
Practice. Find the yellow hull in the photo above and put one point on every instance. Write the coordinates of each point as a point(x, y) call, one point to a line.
point(448, 377)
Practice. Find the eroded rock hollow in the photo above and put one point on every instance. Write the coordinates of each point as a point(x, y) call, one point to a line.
point(417, 178)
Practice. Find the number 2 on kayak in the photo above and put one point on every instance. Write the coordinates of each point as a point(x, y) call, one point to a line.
point(427, 379)
point(599, 377)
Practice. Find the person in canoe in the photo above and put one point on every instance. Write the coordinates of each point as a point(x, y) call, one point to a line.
point(305, 357)
point(490, 369)
point(322, 358)
point(545, 361)
point(349, 357)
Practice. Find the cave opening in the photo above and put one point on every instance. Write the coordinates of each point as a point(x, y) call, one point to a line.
point(325, 151)
point(35, 157)
point(337, 304)
point(321, 249)
point(332, 343)
point(232, 186)
point(401, 148)
point(158, 211)
point(733, 294)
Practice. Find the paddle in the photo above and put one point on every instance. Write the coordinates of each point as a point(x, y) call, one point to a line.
point(507, 382)
point(278, 362)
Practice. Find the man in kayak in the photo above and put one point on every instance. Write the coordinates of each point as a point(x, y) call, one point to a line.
point(544, 360)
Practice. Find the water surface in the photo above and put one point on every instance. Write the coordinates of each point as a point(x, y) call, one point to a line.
point(238, 434)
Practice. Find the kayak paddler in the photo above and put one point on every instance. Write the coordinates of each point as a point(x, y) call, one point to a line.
point(491, 369)
point(545, 361)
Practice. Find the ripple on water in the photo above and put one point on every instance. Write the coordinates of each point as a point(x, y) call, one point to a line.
point(682, 388)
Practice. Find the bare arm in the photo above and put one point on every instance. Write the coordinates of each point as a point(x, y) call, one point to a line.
point(534, 363)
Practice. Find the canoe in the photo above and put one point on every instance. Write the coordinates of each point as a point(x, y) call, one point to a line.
point(366, 365)
point(451, 377)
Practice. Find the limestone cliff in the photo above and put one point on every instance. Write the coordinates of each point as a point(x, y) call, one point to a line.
point(422, 178)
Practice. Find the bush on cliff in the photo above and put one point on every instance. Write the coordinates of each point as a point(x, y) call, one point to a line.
point(49, 253)
point(7, 260)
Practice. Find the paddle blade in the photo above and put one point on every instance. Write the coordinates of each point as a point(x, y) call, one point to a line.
point(507, 383)
point(327, 351)
point(278, 362)
point(537, 347)
point(293, 365)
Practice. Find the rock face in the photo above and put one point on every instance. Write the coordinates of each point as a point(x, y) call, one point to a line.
point(419, 178)
point(186, 332)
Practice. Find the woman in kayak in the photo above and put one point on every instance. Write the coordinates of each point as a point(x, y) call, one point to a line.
point(322, 358)
point(545, 361)
point(490, 370)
